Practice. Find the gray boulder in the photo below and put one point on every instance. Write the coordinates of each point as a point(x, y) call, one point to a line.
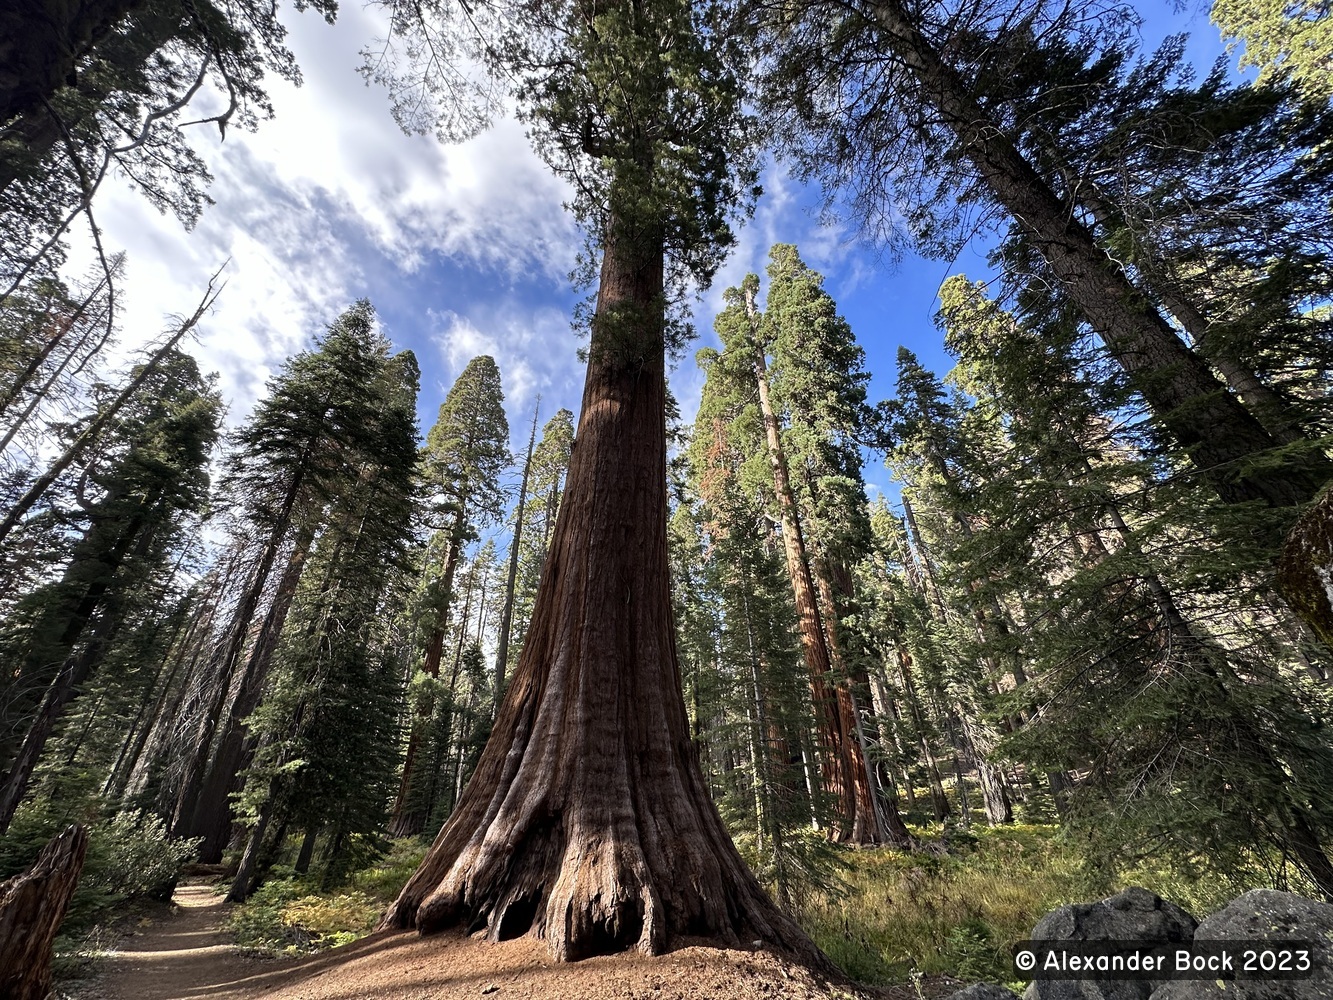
point(1132, 915)
point(984, 991)
point(1265, 915)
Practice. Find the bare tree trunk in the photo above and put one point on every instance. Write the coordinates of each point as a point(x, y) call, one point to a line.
point(94, 429)
point(212, 815)
point(307, 851)
point(507, 617)
point(32, 905)
point(21, 379)
point(588, 819)
point(876, 816)
point(166, 715)
point(939, 802)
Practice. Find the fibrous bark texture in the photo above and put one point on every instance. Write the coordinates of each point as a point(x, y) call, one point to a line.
point(32, 905)
point(588, 820)
point(41, 43)
point(1305, 568)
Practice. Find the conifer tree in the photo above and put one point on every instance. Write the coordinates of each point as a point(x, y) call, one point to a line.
point(862, 71)
point(1291, 41)
point(154, 470)
point(465, 454)
point(515, 548)
point(296, 453)
point(819, 383)
point(550, 463)
point(926, 428)
point(748, 688)
point(1123, 574)
point(327, 730)
point(587, 819)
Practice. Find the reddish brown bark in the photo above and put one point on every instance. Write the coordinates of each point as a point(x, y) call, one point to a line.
point(838, 759)
point(588, 820)
point(877, 820)
point(32, 905)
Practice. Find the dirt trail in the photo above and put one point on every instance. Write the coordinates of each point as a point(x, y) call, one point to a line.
point(185, 953)
point(188, 955)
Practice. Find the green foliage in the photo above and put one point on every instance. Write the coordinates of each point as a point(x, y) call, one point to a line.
point(1157, 664)
point(948, 913)
point(123, 110)
point(283, 917)
point(292, 914)
point(134, 858)
point(1285, 39)
point(130, 857)
point(467, 449)
point(329, 724)
point(808, 870)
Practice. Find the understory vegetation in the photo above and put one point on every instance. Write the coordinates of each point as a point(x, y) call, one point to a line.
point(953, 908)
point(1044, 613)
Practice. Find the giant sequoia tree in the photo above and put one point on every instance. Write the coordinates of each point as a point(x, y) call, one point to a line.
point(588, 820)
point(466, 451)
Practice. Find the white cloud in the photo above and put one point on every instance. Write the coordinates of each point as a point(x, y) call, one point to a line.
point(534, 349)
point(328, 202)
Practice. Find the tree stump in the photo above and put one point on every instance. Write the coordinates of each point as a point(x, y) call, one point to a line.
point(32, 905)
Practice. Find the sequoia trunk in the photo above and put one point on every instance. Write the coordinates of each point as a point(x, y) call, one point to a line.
point(588, 820)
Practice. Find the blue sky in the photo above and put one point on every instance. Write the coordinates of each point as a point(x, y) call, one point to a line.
point(463, 249)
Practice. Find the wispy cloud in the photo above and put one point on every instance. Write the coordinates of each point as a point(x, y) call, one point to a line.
point(329, 202)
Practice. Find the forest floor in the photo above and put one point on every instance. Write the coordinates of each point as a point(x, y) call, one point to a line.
point(185, 952)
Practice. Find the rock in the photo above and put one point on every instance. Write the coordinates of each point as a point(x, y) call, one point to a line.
point(32, 905)
point(1265, 915)
point(1131, 915)
point(984, 991)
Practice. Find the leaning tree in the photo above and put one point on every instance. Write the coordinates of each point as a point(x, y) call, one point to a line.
point(588, 820)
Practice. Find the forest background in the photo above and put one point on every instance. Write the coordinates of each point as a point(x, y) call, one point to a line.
point(970, 584)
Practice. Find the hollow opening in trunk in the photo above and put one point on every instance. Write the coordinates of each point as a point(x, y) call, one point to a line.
point(610, 935)
point(519, 915)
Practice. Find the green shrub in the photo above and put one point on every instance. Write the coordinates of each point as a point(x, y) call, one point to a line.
point(291, 915)
point(941, 912)
point(130, 858)
point(386, 877)
point(285, 916)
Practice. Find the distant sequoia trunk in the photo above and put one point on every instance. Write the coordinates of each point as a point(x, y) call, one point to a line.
point(588, 820)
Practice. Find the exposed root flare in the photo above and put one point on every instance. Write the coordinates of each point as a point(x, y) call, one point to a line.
point(588, 820)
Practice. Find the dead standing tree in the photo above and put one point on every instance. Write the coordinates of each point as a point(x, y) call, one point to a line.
point(32, 905)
